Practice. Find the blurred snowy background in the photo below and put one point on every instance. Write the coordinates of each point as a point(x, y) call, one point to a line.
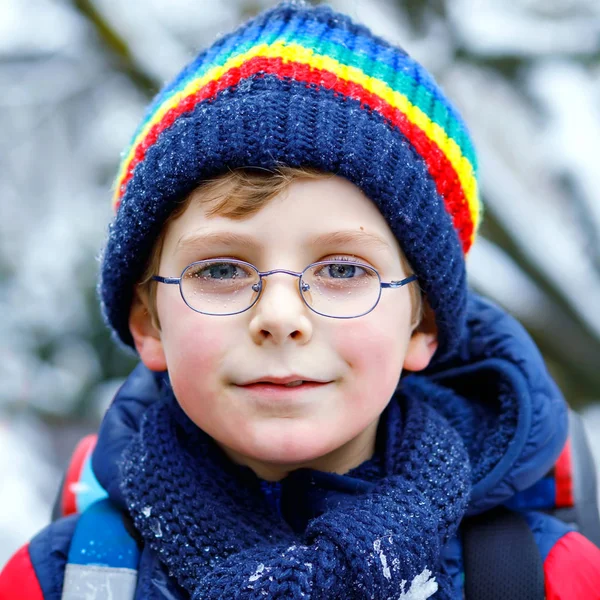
point(75, 76)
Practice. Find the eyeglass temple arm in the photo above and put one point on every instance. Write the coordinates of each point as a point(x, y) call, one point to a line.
point(397, 284)
point(160, 279)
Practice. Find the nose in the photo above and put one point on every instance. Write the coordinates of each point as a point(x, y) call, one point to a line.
point(280, 314)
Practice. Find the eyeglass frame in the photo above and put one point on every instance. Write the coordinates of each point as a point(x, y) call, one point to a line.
point(262, 274)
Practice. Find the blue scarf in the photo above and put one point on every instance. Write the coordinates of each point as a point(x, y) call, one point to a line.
point(209, 522)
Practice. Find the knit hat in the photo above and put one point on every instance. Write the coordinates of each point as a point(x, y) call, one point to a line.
point(305, 86)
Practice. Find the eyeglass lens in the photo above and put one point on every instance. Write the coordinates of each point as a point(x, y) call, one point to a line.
point(331, 288)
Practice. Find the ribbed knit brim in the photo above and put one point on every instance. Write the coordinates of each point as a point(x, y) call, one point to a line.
point(305, 86)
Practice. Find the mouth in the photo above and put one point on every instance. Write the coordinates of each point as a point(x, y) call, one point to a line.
point(291, 384)
point(288, 381)
point(289, 387)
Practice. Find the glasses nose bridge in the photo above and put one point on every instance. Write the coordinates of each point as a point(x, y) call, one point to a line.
point(286, 271)
point(264, 274)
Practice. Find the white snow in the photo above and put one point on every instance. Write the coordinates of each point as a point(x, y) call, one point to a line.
point(423, 586)
point(258, 573)
point(382, 558)
point(156, 528)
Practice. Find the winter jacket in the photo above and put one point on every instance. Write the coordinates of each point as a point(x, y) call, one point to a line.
point(497, 367)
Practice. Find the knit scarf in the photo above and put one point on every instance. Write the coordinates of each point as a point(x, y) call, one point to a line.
point(209, 523)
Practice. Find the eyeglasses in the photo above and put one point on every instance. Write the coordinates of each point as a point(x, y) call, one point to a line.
point(336, 289)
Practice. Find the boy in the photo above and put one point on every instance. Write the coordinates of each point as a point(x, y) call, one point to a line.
point(282, 207)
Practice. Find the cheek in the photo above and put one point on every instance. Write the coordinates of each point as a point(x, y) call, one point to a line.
point(194, 348)
point(374, 349)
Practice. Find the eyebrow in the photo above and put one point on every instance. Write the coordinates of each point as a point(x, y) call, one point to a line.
point(227, 238)
point(222, 238)
point(349, 237)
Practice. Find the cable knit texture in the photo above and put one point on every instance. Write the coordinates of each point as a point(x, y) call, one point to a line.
point(208, 520)
point(304, 86)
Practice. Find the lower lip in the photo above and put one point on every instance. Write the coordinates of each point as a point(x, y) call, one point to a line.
point(270, 390)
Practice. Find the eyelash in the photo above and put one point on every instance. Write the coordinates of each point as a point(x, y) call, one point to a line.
point(340, 257)
point(336, 257)
point(345, 258)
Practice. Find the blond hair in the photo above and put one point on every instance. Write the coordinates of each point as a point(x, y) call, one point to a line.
point(239, 194)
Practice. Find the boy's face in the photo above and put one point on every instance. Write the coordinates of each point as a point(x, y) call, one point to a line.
point(330, 426)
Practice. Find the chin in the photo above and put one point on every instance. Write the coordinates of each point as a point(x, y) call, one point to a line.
point(288, 448)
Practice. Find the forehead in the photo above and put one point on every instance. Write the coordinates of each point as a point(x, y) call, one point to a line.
point(326, 211)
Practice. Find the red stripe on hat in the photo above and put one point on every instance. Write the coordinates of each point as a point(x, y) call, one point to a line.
point(563, 477)
point(445, 177)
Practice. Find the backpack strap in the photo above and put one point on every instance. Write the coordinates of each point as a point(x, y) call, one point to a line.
point(568, 491)
point(103, 556)
point(575, 476)
point(79, 488)
point(501, 558)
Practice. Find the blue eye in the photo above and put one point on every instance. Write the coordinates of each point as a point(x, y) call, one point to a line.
point(341, 268)
point(341, 271)
point(219, 270)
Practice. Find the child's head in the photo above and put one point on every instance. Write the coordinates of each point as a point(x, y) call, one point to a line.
point(298, 138)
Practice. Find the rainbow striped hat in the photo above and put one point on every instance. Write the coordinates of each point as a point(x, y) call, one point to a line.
point(305, 86)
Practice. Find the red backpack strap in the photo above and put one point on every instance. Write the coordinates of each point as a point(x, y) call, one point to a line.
point(575, 474)
point(563, 478)
point(80, 488)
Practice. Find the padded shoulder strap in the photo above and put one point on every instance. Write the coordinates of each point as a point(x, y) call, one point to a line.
point(79, 488)
point(569, 490)
point(103, 556)
point(501, 558)
point(580, 472)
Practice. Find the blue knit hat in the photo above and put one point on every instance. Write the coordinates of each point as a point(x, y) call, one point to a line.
point(305, 86)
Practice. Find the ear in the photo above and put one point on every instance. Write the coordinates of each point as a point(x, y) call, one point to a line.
point(423, 343)
point(146, 336)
